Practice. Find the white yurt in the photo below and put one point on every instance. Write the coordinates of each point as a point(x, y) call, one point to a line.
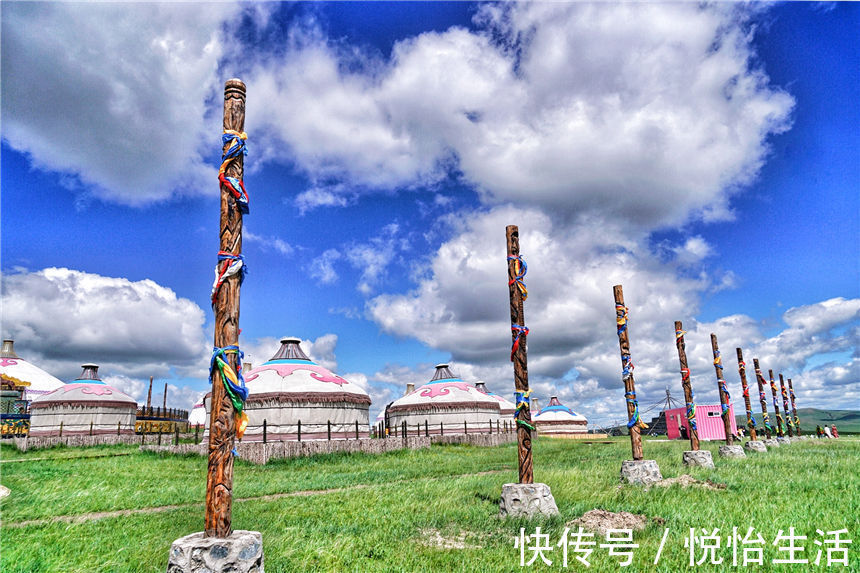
point(557, 419)
point(83, 406)
point(197, 415)
point(507, 409)
point(292, 393)
point(446, 403)
point(18, 372)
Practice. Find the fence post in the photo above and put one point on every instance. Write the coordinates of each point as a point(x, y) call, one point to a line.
point(159, 435)
point(91, 427)
point(197, 433)
point(441, 429)
point(264, 431)
point(426, 429)
point(300, 430)
point(117, 428)
point(328, 422)
point(61, 429)
point(404, 430)
point(176, 435)
point(356, 429)
point(465, 427)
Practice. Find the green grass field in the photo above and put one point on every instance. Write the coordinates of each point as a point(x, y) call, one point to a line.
point(389, 512)
point(847, 421)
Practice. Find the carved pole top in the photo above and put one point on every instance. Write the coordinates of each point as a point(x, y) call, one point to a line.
point(234, 84)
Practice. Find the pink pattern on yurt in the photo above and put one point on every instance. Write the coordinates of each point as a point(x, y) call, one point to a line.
point(317, 372)
point(8, 362)
point(443, 389)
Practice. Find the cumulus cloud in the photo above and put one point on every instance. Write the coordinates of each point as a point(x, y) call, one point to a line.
point(63, 317)
point(322, 267)
point(373, 257)
point(267, 243)
point(105, 91)
point(651, 112)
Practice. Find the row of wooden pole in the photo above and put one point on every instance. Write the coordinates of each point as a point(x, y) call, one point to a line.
point(792, 423)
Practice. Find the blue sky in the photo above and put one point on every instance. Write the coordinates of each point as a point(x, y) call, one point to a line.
point(704, 157)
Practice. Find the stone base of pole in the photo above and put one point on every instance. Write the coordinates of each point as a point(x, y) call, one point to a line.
point(643, 472)
point(527, 500)
point(242, 552)
point(700, 458)
point(732, 452)
point(771, 443)
point(755, 446)
point(784, 441)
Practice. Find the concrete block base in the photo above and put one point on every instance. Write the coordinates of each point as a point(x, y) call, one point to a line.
point(642, 472)
point(700, 458)
point(242, 552)
point(732, 452)
point(771, 443)
point(526, 500)
point(755, 446)
point(784, 441)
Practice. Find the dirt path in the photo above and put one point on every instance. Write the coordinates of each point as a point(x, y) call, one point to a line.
point(84, 517)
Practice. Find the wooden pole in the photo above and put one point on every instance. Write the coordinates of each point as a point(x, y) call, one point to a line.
point(222, 423)
point(742, 370)
point(685, 383)
point(724, 391)
point(779, 431)
point(793, 408)
point(788, 423)
point(634, 423)
point(149, 397)
point(519, 355)
point(164, 404)
point(762, 398)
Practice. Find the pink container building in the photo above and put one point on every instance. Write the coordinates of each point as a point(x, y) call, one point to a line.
point(709, 423)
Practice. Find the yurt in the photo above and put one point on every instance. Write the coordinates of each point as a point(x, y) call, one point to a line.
point(83, 406)
point(299, 399)
point(557, 419)
point(197, 415)
point(18, 372)
point(446, 404)
point(507, 409)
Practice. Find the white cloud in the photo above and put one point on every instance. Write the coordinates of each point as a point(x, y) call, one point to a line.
point(115, 94)
point(651, 112)
point(372, 258)
point(266, 242)
point(322, 267)
point(63, 317)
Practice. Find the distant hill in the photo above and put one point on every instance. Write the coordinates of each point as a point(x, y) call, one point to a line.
point(847, 421)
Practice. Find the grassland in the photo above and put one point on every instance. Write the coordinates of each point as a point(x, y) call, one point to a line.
point(389, 512)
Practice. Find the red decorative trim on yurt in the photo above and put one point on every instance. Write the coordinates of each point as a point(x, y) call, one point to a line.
point(310, 397)
point(442, 406)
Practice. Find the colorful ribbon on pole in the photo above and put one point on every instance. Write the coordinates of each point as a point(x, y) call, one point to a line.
point(235, 265)
point(237, 148)
point(634, 420)
point(621, 318)
point(234, 382)
point(522, 403)
point(520, 269)
point(724, 388)
point(750, 417)
point(691, 405)
point(520, 331)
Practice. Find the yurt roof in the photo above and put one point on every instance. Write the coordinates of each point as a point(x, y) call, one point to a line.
point(15, 369)
point(444, 389)
point(291, 375)
point(504, 405)
point(86, 389)
point(198, 414)
point(555, 411)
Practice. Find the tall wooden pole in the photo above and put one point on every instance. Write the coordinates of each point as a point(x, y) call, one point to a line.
point(634, 423)
point(688, 388)
point(765, 419)
point(222, 423)
point(519, 357)
point(164, 404)
point(779, 431)
point(789, 424)
point(793, 408)
point(742, 370)
point(148, 398)
point(723, 389)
